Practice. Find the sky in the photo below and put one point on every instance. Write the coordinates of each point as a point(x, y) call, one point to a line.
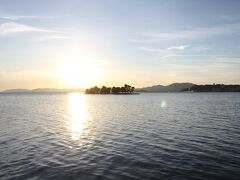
point(74, 43)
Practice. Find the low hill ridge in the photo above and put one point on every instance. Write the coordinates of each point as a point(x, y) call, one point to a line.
point(41, 90)
point(175, 87)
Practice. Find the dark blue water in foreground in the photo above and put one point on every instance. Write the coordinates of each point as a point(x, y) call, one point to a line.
point(147, 136)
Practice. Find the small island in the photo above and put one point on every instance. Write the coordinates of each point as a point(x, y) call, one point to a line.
point(124, 90)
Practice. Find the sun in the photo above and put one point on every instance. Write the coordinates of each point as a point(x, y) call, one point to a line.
point(77, 71)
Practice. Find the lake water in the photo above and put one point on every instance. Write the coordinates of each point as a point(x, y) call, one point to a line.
point(146, 136)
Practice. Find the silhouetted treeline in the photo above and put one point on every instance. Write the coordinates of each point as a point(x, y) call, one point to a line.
point(126, 89)
point(214, 88)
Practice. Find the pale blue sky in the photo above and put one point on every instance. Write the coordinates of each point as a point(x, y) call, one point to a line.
point(141, 42)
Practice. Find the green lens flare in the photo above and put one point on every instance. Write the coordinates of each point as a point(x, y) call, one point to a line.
point(163, 104)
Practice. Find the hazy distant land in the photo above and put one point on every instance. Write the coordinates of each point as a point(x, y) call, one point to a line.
point(41, 90)
point(175, 87)
point(190, 87)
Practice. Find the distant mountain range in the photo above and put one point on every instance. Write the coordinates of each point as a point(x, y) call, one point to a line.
point(175, 87)
point(42, 90)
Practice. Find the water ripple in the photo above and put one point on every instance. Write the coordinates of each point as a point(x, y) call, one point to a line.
point(73, 136)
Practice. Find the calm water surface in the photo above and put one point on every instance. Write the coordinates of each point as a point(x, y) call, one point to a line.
point(147, 136)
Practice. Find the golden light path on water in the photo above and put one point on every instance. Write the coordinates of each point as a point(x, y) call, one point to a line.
point(78, 115)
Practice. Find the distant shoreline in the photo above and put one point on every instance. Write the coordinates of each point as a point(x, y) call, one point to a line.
point(172, 88)
point(136, 93)
point(189, 87)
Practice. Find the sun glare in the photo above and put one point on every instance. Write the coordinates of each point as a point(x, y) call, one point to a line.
point(77, 71)
point(79, 116)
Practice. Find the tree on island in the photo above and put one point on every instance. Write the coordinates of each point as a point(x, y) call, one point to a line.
point(93, 90)
point(126, 89)
point(105, 90)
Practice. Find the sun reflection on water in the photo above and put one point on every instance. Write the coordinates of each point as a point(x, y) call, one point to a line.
point(79, 116)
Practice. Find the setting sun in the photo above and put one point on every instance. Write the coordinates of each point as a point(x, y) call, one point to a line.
point(77, 71)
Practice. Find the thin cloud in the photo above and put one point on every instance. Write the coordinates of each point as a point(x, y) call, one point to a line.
point(226, 29)
point(12, 27)
point(182, 47)
point(171, 48)
point(150, 49)
point(232, 57)
point(15, 17)
point(51, 37)
point(165, 52)
point(178, 52)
